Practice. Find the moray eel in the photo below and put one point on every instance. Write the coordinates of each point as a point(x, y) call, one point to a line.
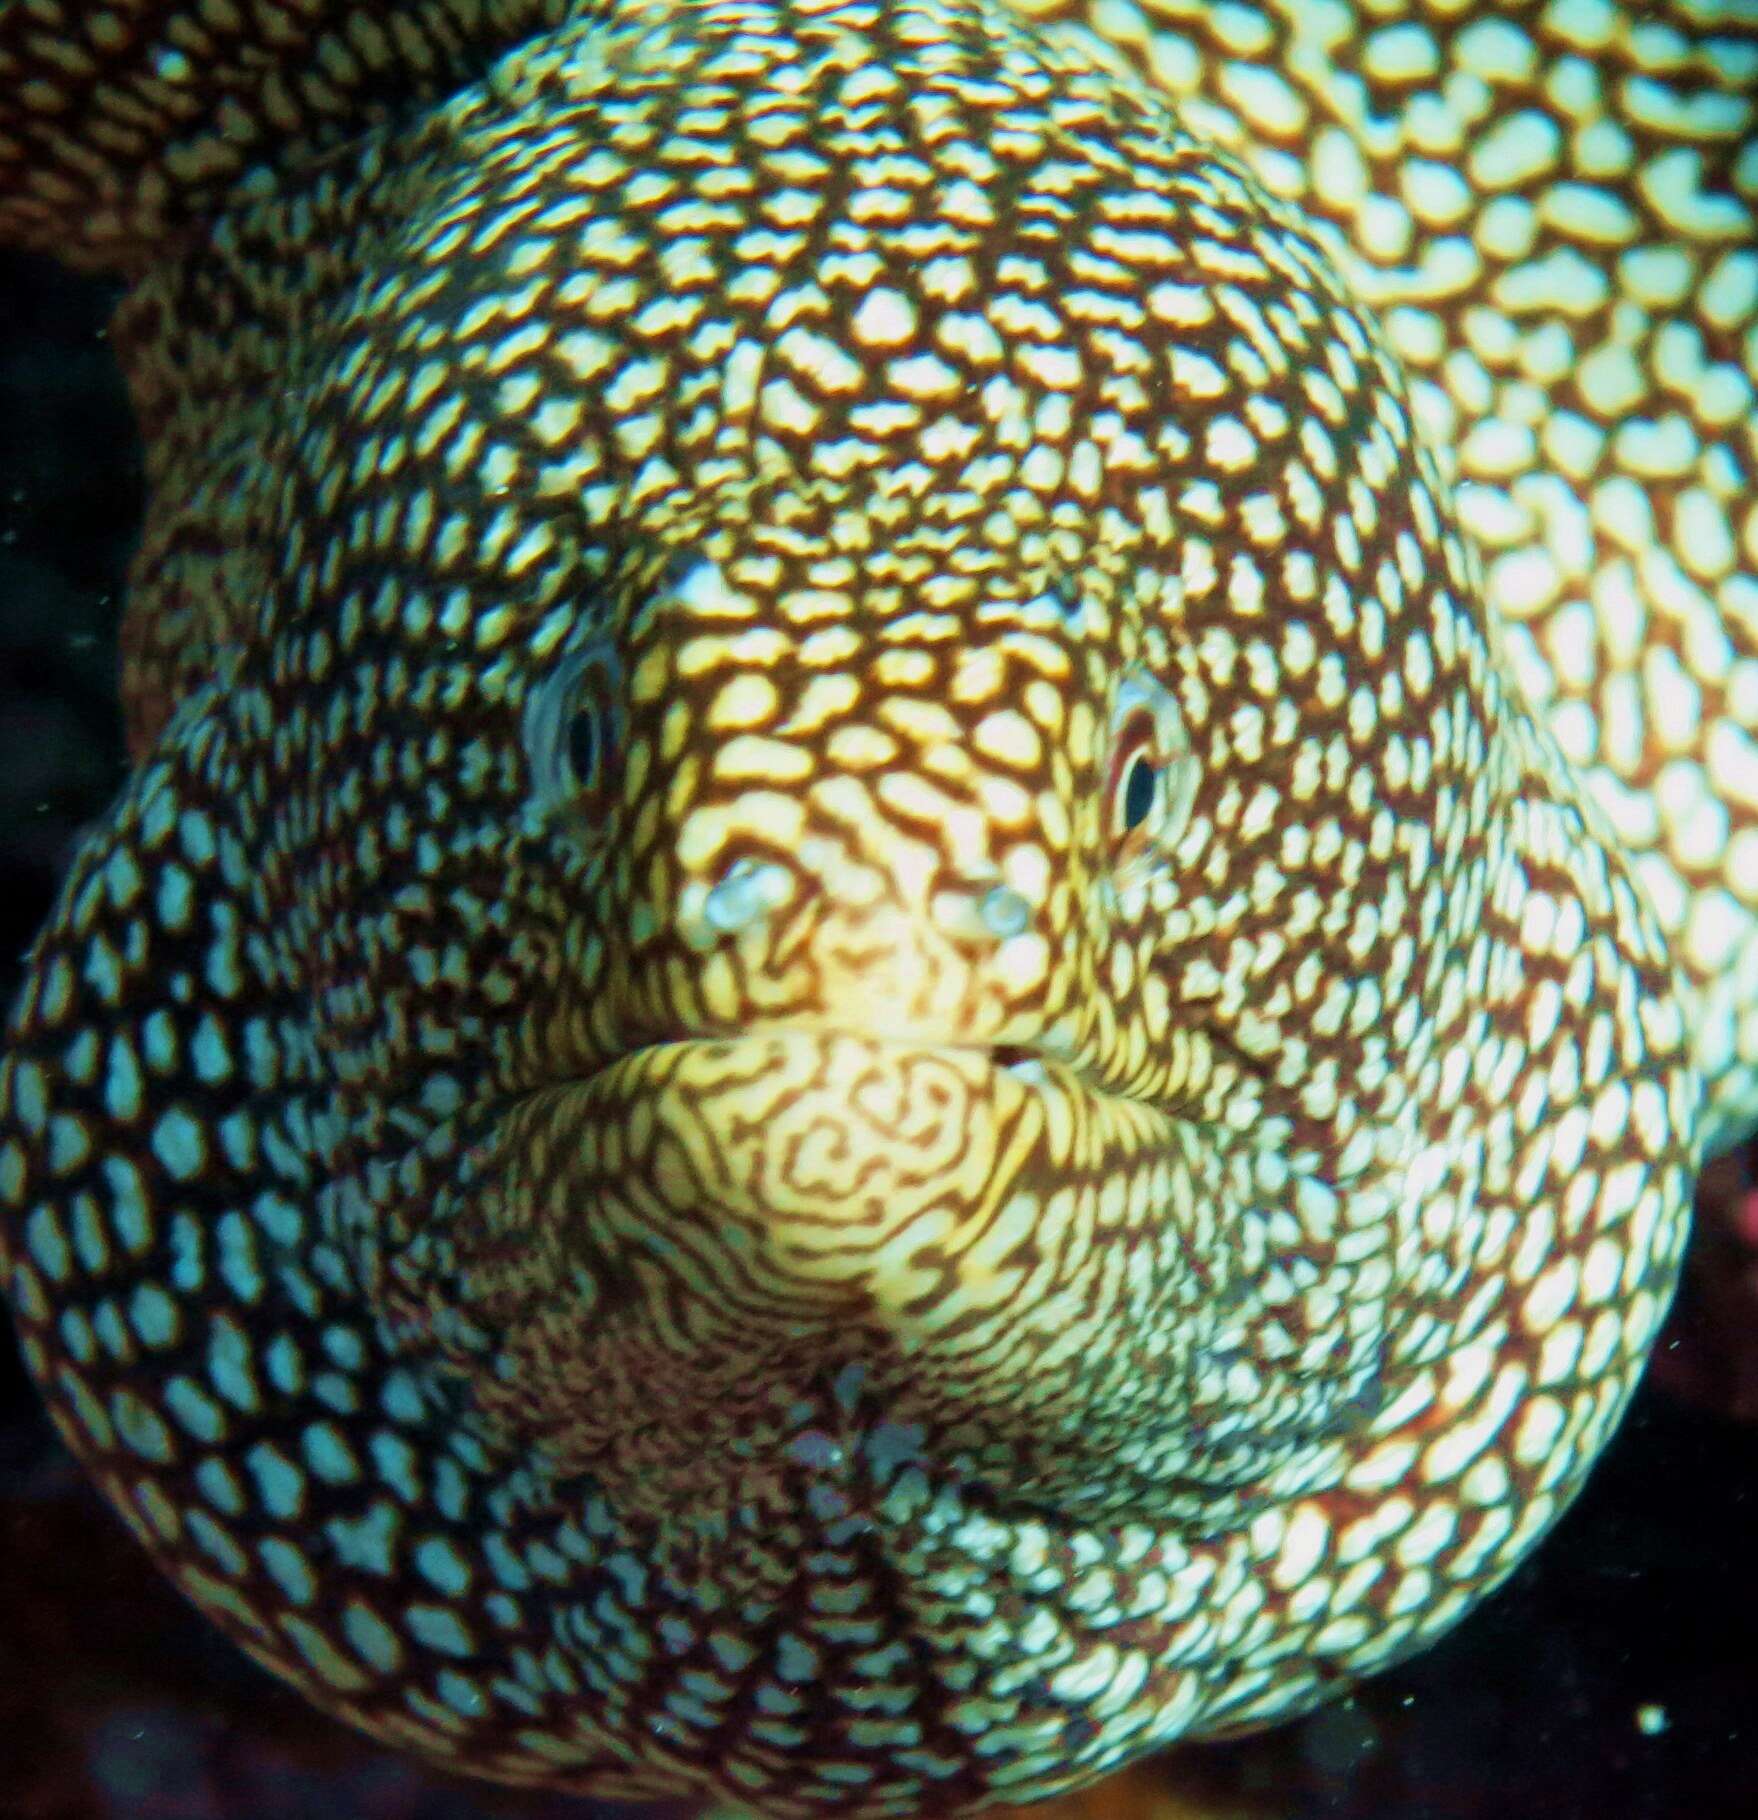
point(943, 850)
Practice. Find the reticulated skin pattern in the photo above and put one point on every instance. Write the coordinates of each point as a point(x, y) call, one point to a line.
point(942, 856)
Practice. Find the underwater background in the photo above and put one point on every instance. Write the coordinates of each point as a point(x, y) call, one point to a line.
point(1615, 1677)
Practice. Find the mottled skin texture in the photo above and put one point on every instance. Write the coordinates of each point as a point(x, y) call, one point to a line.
point(859, 1032)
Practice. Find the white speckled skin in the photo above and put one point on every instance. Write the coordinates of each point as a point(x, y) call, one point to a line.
point(1554, 212)
point(942, 857)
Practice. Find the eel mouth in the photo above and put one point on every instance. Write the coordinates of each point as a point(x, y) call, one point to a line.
point(1045, 1279)
point(1032, 1062)
point(708, 1224)
point(793, 1165)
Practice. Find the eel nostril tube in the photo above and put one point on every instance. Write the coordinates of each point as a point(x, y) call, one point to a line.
point(746, 893)
point(980, 910)
point(1004, 912)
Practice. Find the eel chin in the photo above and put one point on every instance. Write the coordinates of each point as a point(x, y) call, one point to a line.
point(682, 1263)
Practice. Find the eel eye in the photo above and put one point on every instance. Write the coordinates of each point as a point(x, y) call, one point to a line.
point(1136, 776)
point(590, 733)
point(1151, 787)
point(574, 734)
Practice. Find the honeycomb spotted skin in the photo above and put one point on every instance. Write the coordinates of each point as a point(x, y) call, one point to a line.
point(857, 1034)
point(1554, 211)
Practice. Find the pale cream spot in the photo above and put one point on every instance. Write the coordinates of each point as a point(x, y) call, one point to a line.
point(885, 318)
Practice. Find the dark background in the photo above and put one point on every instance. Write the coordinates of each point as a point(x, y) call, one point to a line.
point(1615, 1678)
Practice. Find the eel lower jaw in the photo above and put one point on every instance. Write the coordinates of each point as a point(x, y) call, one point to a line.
point(674, 1263)
point(679, 1249)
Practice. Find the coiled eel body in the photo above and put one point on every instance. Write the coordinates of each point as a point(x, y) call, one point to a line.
point(943, 852)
